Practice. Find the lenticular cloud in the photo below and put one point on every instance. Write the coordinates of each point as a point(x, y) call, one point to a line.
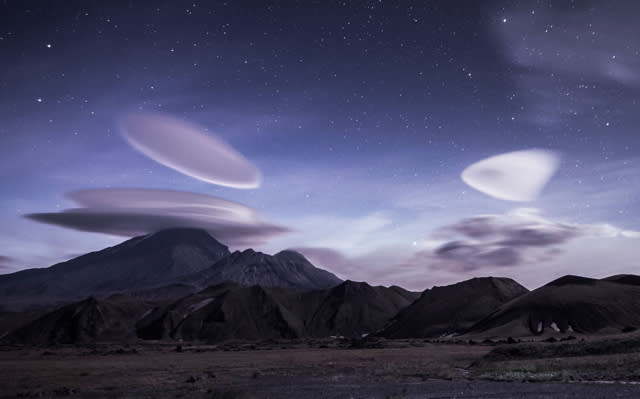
point(132, 212)
point(165, 200)
point(514, 176)
point(186, 148)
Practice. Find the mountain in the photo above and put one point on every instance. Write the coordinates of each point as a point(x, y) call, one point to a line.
point(162, 266)
point(624, 279)
point(233, 311)
point(141, 262)
point(226, 311)
point(453, 308)
point(286, 269)
point(352, 309)
point(87, 321)
point(568, 304)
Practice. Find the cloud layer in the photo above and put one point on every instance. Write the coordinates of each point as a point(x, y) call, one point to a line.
point(514, 176)
point(141, 198)
point(519, 237)
point(521, 244)
point(131, 212)
point(186, 148)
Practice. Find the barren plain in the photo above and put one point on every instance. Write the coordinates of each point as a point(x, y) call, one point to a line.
point(328, 369)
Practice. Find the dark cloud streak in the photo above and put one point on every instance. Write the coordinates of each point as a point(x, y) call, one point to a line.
point(509, 240)
point(129, 223)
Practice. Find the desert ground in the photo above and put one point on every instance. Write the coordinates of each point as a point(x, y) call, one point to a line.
point(328, 368)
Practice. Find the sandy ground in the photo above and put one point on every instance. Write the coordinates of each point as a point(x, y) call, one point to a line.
point(418, 370)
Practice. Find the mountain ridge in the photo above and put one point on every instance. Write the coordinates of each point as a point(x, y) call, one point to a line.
point(568, 304)
point(184, 259)
point(286, 269)
point(140, 262)
point(453, 308)
point(192, 287)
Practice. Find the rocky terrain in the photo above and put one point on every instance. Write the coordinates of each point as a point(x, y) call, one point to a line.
point(286, 269)
point(141, 262)
point(222, 312)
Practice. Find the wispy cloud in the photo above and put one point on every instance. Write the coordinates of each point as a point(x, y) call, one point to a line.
point(514, 244)
point(519, 237)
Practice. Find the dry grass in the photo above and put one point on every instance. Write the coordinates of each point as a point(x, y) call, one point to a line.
point(615, 358)
point(619, 367)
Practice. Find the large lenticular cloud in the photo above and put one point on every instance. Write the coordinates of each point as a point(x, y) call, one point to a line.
point(166, 200)
point(186, 148)
point(514, 176)
point(132, 212)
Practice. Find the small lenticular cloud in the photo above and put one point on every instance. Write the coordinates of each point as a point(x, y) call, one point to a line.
point(188, 149)
point(514, 176)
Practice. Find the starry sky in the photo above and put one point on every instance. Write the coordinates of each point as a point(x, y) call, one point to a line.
point(360, 116)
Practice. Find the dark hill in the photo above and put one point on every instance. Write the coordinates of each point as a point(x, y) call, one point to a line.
point(566, 305)
point(452, 308)
point(226, 311)
point(223, 312)
point(164, 292)
point(572, 280)
point(141, 262)
point(286, 269)
point(232, 311)
point(630, 279)
point(352, 309)
point(87, 321)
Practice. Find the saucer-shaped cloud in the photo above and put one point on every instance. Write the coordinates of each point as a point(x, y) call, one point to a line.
point(167, 200)
point(132, 212)
point(188, 149)
point(134, 222)
point(514, 176)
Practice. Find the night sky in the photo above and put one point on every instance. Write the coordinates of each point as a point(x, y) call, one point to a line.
point(360, 117)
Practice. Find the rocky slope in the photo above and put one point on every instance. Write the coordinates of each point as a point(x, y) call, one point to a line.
point(286, 269)
point(141, 262)
point(453, 308)
point(568, 304)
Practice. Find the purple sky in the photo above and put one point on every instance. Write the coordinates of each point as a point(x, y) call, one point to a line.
point(359, 117)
